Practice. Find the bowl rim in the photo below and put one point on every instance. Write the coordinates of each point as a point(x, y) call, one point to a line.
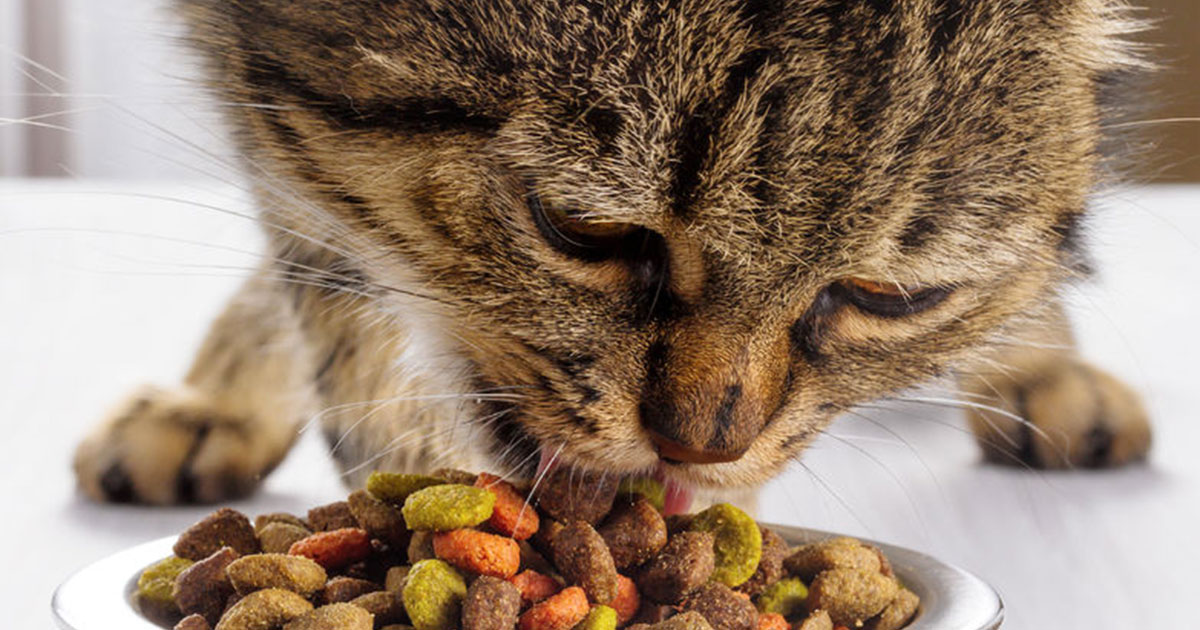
point(98, 596)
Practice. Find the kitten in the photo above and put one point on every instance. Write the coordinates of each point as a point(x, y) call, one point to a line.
point(674, 237)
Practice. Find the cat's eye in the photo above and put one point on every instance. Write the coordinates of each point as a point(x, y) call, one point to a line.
point(889, 299)
point(576, 234)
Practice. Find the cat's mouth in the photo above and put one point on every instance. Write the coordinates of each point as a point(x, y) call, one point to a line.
point(677, 494)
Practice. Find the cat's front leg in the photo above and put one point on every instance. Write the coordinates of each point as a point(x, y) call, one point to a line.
point(230, 423)
point(1037, 403)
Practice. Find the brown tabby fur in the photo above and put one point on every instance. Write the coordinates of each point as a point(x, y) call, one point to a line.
point(771, 147)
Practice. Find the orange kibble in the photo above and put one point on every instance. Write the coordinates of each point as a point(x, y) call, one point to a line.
point(772, 621)
point(334, 549)
point(534, 586)
point(478, 552)
point(627, 601)
point(512, 516)
point(560, 612)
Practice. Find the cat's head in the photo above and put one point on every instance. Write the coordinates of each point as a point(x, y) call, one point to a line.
point(686, 233)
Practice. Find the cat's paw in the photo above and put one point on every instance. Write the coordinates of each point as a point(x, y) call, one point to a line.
point(1066, 414)
point(164, 447)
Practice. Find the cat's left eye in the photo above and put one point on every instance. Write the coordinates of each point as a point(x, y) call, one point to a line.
point(577, 234)
point(890, 299)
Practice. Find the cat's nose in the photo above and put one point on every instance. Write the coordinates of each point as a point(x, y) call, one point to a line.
point(708, 393)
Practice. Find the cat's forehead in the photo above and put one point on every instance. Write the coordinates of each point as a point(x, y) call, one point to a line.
point(751, 122)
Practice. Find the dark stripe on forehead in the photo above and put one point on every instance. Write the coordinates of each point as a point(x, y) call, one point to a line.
point(945, 24)
point(414, 115)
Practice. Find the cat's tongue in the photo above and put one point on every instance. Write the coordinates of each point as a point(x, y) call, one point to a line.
point(678, 497)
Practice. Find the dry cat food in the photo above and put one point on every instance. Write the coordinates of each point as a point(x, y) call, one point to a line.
point(453, 551)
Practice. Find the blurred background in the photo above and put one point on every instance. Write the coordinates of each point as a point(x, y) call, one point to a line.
point(112, 74)
point(125, 226)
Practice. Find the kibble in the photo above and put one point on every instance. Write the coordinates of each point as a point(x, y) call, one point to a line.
point(433, 595)
point(203, 588)
point(223, 528)
point(737, 542)
point(275, 570)
point(446, 507)
point(264, 610)
point(722, 607)
point(634, 533)
point(333, 617)
point(583, 559)
point(685, 563)
point(491, 604)
point(459, 551)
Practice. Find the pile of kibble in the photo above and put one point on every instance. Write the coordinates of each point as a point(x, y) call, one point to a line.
point(453, 550)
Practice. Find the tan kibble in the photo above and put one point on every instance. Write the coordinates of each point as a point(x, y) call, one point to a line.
point(898, 613)
point(333, 617)
point(275, 570)
point(264, 610)
point(837, 553)
point(278, 537)
point(384, 605)
point(851, 596)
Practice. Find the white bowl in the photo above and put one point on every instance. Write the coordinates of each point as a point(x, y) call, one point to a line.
point(99, 597)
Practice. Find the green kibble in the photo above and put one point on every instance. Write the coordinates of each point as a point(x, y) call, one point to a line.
point(785, 597)
point(157, 581)
point(737, 542)
point(447, 507)
point(394, 488)
point(599, 618)
point(433, 595)
point(654, 491)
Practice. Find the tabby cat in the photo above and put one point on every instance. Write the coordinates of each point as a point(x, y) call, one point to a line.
point(674, 237)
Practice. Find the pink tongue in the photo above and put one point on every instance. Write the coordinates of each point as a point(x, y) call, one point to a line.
point(678, 498)
point(548, 460)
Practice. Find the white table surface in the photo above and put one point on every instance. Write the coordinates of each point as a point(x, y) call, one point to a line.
point(107, 285)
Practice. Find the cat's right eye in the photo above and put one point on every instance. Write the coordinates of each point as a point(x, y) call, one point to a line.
point(577, 235)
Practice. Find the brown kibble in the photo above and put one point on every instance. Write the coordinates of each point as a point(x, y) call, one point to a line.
point(722, 607)
point(339, 616)
point(851, 596)
point(583, 559)
point(203, 587)
point(223, 528)
point(382, 521)
point(898, 613)
point(634, 532)
point(567, 494)
point(343, 589)
point(682, 566)
point(816, 620)
point(837, 553)
point(262, 520)
point(264, 610)
point(491, 604)
point(336, 515)
point(677, 523)
point(770, 565)
point(278, 537)
point(193, 622)
point(386, 606)
point(420, 547)
point(276, 570)
point(690, 620)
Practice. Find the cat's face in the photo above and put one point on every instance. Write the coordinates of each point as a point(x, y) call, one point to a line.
point(686, 233)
